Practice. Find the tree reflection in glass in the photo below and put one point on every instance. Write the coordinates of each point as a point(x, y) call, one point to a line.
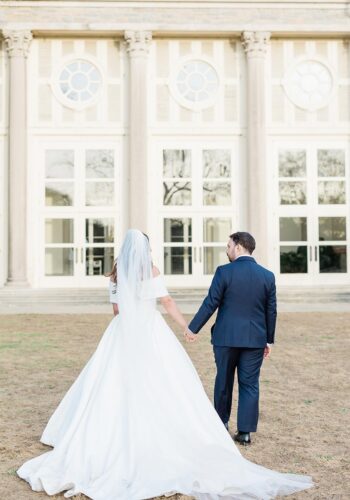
point(216, 193)
point(59, 164)
point(331, 193)
point(176, 163)
point(216, 163)
point(331, 162)
point(292, 163)
point(99, 163)
point(292, 193)
point(177, 193)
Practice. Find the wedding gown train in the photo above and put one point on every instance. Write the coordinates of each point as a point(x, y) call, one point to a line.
point(137, 424)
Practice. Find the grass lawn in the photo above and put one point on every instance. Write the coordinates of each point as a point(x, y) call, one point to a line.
point(304, 408)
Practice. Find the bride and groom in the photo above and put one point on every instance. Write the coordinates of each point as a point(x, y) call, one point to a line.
point(137, 423)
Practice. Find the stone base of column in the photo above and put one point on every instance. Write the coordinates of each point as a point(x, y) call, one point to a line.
point(17, 284)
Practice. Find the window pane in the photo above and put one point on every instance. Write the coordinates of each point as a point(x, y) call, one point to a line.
point(177, 193)
point(178, 230)
point(99, 194)
point(178, 260)
point(293, 259)
point(99, 163)
point(292, 193)
point(176, 163)
point(332, 228)
point(99, 230)
point(216, 229)
point(59, 164)
point(59, 194)
point(293, 229)
point(292, 163)
point(216, 163)
point(213, 257)
point(331, 162)
point(333, 259)
point(331, 192)
point(59, 262)
point(98, 261)
point(59, 230)
point(216, 193)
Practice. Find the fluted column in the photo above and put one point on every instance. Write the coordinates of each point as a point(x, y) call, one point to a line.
point(137, 46)
point(255, 45)
point(17, 45)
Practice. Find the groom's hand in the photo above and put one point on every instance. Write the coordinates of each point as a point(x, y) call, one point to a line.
point(267, 351)
point(189, 336)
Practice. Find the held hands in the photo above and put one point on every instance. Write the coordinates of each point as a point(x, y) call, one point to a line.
point(189, 336)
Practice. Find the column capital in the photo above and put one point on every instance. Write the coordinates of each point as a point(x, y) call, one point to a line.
point(255, 43)
point(137, 42)
point(17, 42)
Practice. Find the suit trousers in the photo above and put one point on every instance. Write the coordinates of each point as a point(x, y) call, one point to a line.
point(248, 362)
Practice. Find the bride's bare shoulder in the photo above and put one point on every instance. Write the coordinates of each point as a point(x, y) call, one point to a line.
point(155, 271)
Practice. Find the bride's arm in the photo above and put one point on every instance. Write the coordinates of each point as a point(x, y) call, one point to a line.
point(170, 306)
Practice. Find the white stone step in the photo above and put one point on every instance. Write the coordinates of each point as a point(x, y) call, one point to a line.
point(88, 300)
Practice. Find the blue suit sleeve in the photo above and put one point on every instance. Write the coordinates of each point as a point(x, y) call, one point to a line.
point(271, 313)
point(210, 303)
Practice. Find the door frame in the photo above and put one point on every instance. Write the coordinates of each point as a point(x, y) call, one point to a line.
point(196, 211)
point(312, 210)
point(38, 212)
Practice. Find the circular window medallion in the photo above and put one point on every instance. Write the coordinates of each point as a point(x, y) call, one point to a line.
point(78, 83)
point(309, 84)
point(195, 83)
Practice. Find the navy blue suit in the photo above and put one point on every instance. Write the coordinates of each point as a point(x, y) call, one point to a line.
point(245, 295)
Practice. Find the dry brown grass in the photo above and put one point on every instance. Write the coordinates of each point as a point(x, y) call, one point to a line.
point(305, 399)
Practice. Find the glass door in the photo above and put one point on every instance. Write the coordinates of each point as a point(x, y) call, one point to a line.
point(313, 220)
point(79, 215)
point(198, 212)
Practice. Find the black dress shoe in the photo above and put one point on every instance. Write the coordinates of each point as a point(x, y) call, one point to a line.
point(242, 438)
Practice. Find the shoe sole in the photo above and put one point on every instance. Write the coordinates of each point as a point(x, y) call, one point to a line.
point(243, 443)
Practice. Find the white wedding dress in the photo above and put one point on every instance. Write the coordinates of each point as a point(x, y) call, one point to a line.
point(137, 423)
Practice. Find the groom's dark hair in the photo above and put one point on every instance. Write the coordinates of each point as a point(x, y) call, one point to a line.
point(246, 240)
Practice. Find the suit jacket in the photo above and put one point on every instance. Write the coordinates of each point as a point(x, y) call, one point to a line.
point(245, 294)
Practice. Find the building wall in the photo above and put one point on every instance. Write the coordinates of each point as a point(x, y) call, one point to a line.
point(60, 125)
point(211, 131)
point(311, 124)
point(198, 179)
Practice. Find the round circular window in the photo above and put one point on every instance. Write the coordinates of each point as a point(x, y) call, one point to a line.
point(195, 83)
point(78, 83)
point(309, 84)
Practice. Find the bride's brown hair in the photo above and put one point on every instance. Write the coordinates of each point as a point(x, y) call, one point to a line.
point(113, 274)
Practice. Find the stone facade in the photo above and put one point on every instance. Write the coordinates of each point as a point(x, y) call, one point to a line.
point(273, 119)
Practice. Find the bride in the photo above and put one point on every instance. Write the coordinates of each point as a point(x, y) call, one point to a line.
point(137, 422)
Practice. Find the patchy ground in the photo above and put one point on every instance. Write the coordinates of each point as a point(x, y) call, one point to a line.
point(305, 394)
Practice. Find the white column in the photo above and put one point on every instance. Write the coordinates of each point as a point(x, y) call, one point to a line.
point(17, 46)
point(255, 45)
point(137, 46)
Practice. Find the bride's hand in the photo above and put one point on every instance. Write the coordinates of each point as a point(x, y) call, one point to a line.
point(189, 336)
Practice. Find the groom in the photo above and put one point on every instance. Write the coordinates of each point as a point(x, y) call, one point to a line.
point(245, 295)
